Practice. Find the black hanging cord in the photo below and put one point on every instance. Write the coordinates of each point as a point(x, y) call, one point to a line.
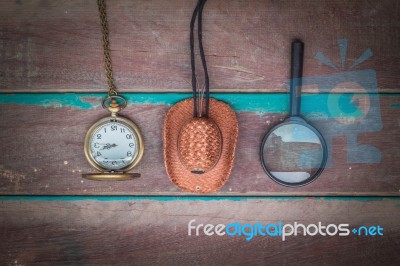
point(199, 11)
point(203, 58)
point(194, 80)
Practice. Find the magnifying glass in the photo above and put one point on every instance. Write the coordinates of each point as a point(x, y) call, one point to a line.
point(294, 153)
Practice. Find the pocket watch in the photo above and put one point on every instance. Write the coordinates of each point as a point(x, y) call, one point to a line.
point(113, 145)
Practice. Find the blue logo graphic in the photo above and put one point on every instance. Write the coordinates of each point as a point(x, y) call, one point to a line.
point(346, 114)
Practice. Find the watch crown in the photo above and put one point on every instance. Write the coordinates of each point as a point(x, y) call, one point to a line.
point(114, 107)
point(114, 104)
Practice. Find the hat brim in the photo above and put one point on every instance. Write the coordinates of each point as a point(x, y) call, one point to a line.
point(211, 181)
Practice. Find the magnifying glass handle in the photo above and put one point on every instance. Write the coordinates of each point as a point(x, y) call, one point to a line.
point(296, 73)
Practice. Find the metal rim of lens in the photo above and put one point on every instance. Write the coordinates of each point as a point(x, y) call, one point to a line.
point(302, 122)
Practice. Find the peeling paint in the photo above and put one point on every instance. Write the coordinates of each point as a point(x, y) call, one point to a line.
point(149, 198)
point(193, 198)
point(260, 103)
point(12, 176)
point(395, 105)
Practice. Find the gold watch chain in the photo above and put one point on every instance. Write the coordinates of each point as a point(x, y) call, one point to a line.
point(112, 91)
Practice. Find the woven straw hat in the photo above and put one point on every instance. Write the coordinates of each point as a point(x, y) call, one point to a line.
point(199, 152)
point(200, 133)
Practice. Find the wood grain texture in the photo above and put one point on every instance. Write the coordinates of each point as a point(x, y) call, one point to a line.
point(56, 45)
point(143, 232)
point(42, 153)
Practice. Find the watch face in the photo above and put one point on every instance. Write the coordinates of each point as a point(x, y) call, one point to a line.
point(113, 145)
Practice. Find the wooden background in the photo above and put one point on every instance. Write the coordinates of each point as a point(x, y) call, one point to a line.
point(154, 232)
point(56, 45)
point(52, 81)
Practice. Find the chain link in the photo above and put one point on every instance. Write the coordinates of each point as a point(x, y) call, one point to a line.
point(112, 91)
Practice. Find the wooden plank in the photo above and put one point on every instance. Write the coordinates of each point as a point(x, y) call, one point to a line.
point(148, 232)
point(41, 140)
point(56, 46)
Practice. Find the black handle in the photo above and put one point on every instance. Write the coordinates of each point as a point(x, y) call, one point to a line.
point(296, 73)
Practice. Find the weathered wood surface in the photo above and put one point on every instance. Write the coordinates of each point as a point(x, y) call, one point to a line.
point(148, 232)
point(42, 151)
point(56, 45)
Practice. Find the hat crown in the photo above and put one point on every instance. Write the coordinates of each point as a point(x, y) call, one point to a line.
point(199, 145)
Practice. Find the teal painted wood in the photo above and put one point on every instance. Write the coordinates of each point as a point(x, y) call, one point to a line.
point(194, 198)
point(260, 103)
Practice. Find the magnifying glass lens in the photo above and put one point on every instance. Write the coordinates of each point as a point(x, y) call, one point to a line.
point(292, 153)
